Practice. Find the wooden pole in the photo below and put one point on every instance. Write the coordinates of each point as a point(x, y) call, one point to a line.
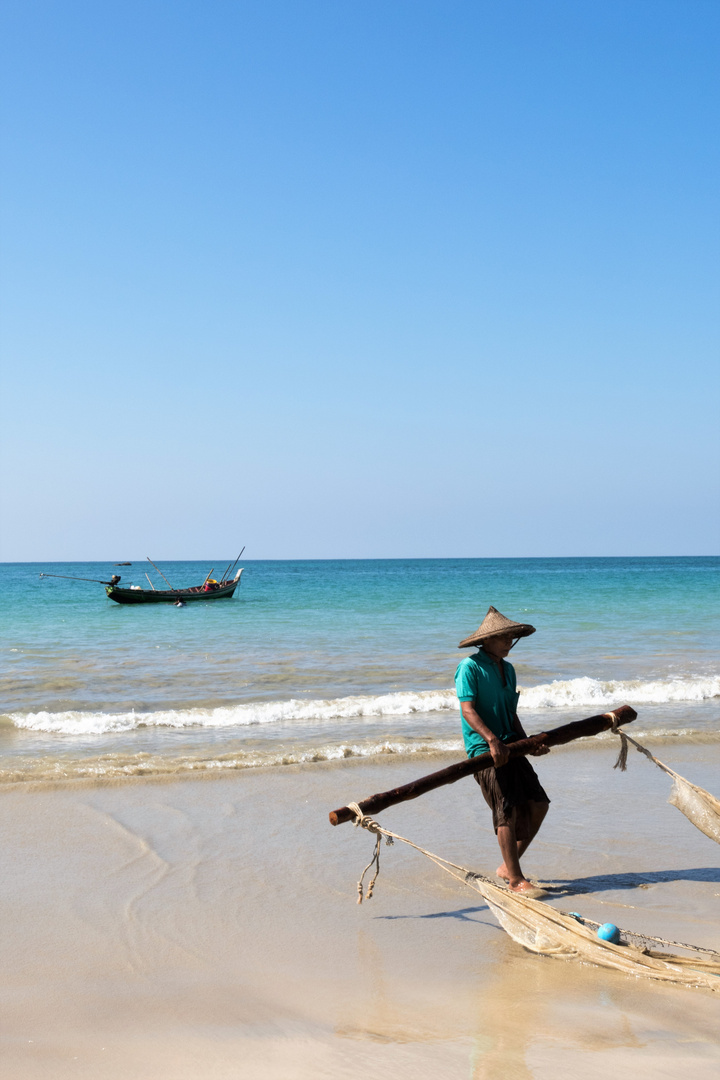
point(225, 573)
point(556, 737)
point(160, 573)
point(72, 577)
point(150, 583)
point(208, 577)
point(235, 563)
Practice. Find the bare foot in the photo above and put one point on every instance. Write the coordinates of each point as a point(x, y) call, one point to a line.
point(526, 888)
point(503, 872)
point(520, 885)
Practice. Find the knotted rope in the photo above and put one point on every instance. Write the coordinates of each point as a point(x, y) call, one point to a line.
point(621, 762)
point(366, 822)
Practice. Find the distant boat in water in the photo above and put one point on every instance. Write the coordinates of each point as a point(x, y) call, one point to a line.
point(134, 594)
point(209, 590)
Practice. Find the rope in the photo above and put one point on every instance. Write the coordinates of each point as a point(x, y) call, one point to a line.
point(468, 876)
point(621, 762)
point(366, 822)
point(643, 940)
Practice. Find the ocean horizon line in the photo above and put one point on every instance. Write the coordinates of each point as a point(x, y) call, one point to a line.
point(362, 558)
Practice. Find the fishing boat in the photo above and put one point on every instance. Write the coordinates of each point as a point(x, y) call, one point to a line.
point(209, 590)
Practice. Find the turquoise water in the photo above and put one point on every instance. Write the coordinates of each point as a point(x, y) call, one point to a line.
point(333, 658)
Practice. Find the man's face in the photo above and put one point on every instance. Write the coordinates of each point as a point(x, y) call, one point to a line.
point(498, 646)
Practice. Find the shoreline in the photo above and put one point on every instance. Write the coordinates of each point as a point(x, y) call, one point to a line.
point(146, 767)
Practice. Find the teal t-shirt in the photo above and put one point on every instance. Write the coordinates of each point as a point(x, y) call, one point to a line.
point(477, 679)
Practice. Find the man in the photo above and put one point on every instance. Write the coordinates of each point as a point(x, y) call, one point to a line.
point(486, 689)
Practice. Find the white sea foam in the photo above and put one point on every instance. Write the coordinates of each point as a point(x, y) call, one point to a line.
point(252, 713)
point(569, 693)
point(586, 691)
point(149, 766)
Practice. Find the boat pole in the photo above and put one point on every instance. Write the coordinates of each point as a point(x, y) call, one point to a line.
point(72, 577)
point(150, 582)
point(580, 729)
point(224, 577)
point(160, 573)
point(224, 573)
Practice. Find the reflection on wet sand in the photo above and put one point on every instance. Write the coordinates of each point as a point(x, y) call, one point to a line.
point(510, 1013)
point(517, 1020)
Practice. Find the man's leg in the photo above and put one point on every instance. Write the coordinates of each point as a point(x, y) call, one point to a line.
point(512, 849)
point(510, 869)
point(536, 816)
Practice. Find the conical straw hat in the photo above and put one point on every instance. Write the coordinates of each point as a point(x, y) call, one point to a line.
point(495, 623)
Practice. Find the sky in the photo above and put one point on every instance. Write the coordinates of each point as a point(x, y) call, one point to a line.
point(359, 278)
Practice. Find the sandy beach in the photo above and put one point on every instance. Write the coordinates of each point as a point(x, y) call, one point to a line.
point(210, 928)
point(349, 348)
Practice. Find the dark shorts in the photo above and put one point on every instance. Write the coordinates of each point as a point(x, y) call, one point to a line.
point(508, 792)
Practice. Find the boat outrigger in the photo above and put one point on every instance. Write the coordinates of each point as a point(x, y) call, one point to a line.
point(211, 589)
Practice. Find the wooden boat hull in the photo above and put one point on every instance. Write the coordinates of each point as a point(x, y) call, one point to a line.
point(171, 596)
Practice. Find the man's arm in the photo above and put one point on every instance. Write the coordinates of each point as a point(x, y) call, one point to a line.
point(497, 748)
point(517, 726)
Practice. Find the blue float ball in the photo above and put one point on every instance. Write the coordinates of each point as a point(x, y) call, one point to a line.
point(609, 932)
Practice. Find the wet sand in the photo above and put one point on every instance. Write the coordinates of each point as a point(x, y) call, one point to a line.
point(209, 929)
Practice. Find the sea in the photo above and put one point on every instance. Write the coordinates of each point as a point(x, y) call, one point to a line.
point(327, 660)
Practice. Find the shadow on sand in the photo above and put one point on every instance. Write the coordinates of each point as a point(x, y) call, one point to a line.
point(597, 883)
point(644, 880)
point(463, 914)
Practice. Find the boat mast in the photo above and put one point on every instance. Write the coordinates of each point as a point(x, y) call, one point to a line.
point(160, 573)
point(224, 577)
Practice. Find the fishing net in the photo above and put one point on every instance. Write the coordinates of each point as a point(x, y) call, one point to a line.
point(542, 929)
point(698, 805)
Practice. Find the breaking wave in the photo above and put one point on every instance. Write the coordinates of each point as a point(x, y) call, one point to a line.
point(559, 694)
point(253, 713)
point(586, 691)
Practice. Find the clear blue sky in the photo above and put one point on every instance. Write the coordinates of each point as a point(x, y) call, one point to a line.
point(359, 278)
